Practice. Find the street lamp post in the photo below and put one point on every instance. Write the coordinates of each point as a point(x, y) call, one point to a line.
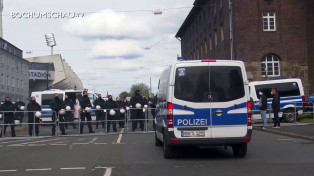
point(51, 41)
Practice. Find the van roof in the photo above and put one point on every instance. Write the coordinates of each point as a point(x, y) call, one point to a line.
point(208, 60)
point(276, 81)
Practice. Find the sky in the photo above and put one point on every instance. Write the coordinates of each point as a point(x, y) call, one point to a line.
point(116, 44)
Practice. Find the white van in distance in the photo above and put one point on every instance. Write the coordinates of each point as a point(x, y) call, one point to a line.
point(291, 92)
point(203, 103)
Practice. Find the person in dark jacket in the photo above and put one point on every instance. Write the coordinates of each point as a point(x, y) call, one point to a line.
point(8, 116)
point(69, 115)
point(85, 102)
point(32, 107)
point(263, 108)
point(122, 104)
point(137, 115)
point(100, 115)
point(111, 105)
point(56, 105)
point(152, 101)
point(19, 114)
point(276, 107)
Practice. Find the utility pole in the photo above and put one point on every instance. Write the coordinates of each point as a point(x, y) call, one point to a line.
point(150, 85)
point(1, 13)
point(231, 30)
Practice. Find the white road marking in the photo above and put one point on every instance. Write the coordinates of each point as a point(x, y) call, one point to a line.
point(16, 145)
point(44, 169)
point(80, 143)
point(40, 141)
point(36, 145)
point(120, 136)
point(108, 171)
point(59, 144)
point(73, 168)
point(100, 143)
point(100, 167)
point(13, 141)
point(8, 170)
point(93, 140)
point(81, 139)
point(284, 139)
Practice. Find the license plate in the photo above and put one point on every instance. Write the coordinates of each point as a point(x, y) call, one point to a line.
point(193, 133)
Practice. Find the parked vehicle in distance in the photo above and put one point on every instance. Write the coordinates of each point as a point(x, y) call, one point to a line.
point(203, 103)
point(310, 103)
point(291, 92)
point(44, 98)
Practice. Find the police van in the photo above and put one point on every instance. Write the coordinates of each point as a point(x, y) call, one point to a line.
point(44, 98)
point(291, 92)
point(203, 103)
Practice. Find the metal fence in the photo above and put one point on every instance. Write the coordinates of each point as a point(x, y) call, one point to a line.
point(106, 121)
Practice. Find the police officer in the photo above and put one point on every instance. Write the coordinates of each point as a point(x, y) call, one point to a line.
point(137, 113)
point(123, 103)
point(56, 105)
point(100, 115)
point(69, 116)
point(32, 107)
point(110, 104)
point(153, 102)
point(19, 115)
point(8, 116)
point(85, 102)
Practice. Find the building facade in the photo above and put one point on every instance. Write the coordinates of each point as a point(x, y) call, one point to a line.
point(275, 38)
point(60, 74)
point(13, 72)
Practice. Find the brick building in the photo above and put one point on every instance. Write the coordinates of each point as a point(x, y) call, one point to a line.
point(275, 38)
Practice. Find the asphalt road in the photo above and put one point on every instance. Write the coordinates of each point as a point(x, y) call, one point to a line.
point(135, 154)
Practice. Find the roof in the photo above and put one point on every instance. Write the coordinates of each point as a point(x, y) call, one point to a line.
point(198, 6)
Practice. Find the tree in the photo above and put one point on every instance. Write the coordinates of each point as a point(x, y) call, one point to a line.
point(124, 94)
point(140, 86)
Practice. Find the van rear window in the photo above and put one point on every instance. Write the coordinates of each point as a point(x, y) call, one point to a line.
point(46, 99)
point(289, 89)
point(204, 84)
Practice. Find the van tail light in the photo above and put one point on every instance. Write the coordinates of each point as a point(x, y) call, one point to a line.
point(170, 115)
point(303, 101)
point(249, 113)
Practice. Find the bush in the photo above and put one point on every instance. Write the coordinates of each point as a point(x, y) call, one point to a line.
point(305, 116)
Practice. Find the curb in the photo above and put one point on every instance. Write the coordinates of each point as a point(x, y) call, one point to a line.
point(293, 135)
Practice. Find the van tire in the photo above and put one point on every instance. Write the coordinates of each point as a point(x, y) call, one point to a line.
point(289, 115)
point(239, 150)
point(167, 149)
point(157, 141)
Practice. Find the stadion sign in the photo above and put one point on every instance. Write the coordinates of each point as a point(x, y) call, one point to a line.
point(41, 75)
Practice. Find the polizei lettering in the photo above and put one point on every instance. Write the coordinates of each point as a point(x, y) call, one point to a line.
point(192, 122)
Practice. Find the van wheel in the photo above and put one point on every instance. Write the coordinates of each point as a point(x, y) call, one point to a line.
point(168, 149)
point(289, 115)
point(239, 150)
point(157, 141)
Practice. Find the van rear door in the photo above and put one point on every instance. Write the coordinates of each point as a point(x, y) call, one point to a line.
point(191, 105)
point(228, 99)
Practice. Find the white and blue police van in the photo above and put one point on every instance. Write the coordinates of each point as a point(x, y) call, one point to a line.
point(44, 98)
point(203, 103)
point(292, 99)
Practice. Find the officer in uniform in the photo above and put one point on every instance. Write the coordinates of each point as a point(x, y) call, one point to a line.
point(110, 104)
point(19, 115)
point(137, 113)
point(32, 107)
point(69, 116)
point(56, 105)
point(123, 103)
point(8, 116)
point(100, 115)
point(85, 102)
point(153, 102)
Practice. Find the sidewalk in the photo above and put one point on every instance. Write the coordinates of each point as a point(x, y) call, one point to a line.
point(295, 130)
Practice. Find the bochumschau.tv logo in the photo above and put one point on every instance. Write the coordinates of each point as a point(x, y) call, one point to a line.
point(46, 15)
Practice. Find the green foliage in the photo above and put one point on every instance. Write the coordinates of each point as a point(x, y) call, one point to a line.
point(124, 94)
point(305, 116)
point(140, 86)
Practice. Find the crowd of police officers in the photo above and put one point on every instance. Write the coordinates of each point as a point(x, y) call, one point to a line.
point(64, 111)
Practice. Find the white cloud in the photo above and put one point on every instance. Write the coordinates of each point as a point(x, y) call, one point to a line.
point(109, 24)
point(128, 49)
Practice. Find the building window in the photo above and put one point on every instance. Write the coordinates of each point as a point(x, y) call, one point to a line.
point(8, 81)
point(13, 82)
point(216, 39)
point(222, 37)
point(210, 44)
point(269, 21)
point(201, 51)
point(2, 79)
point(22, 86)
point(205, 47)
point(270, 66)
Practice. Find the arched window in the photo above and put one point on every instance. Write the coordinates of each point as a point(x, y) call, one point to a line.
point(270, 66)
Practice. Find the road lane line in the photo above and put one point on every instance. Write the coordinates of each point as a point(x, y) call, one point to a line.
point(108, 171)
point(59, 144)
point(73, 168)
point(100, 167)
point(40, 141)
point(13, 141)
point(80, 143)
point(36, 145)
point(120, 136)
point(8, 170)
point(284, 139)
point(44, 169)
point(15, 145)
point(93, 140)
point(100, 143)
